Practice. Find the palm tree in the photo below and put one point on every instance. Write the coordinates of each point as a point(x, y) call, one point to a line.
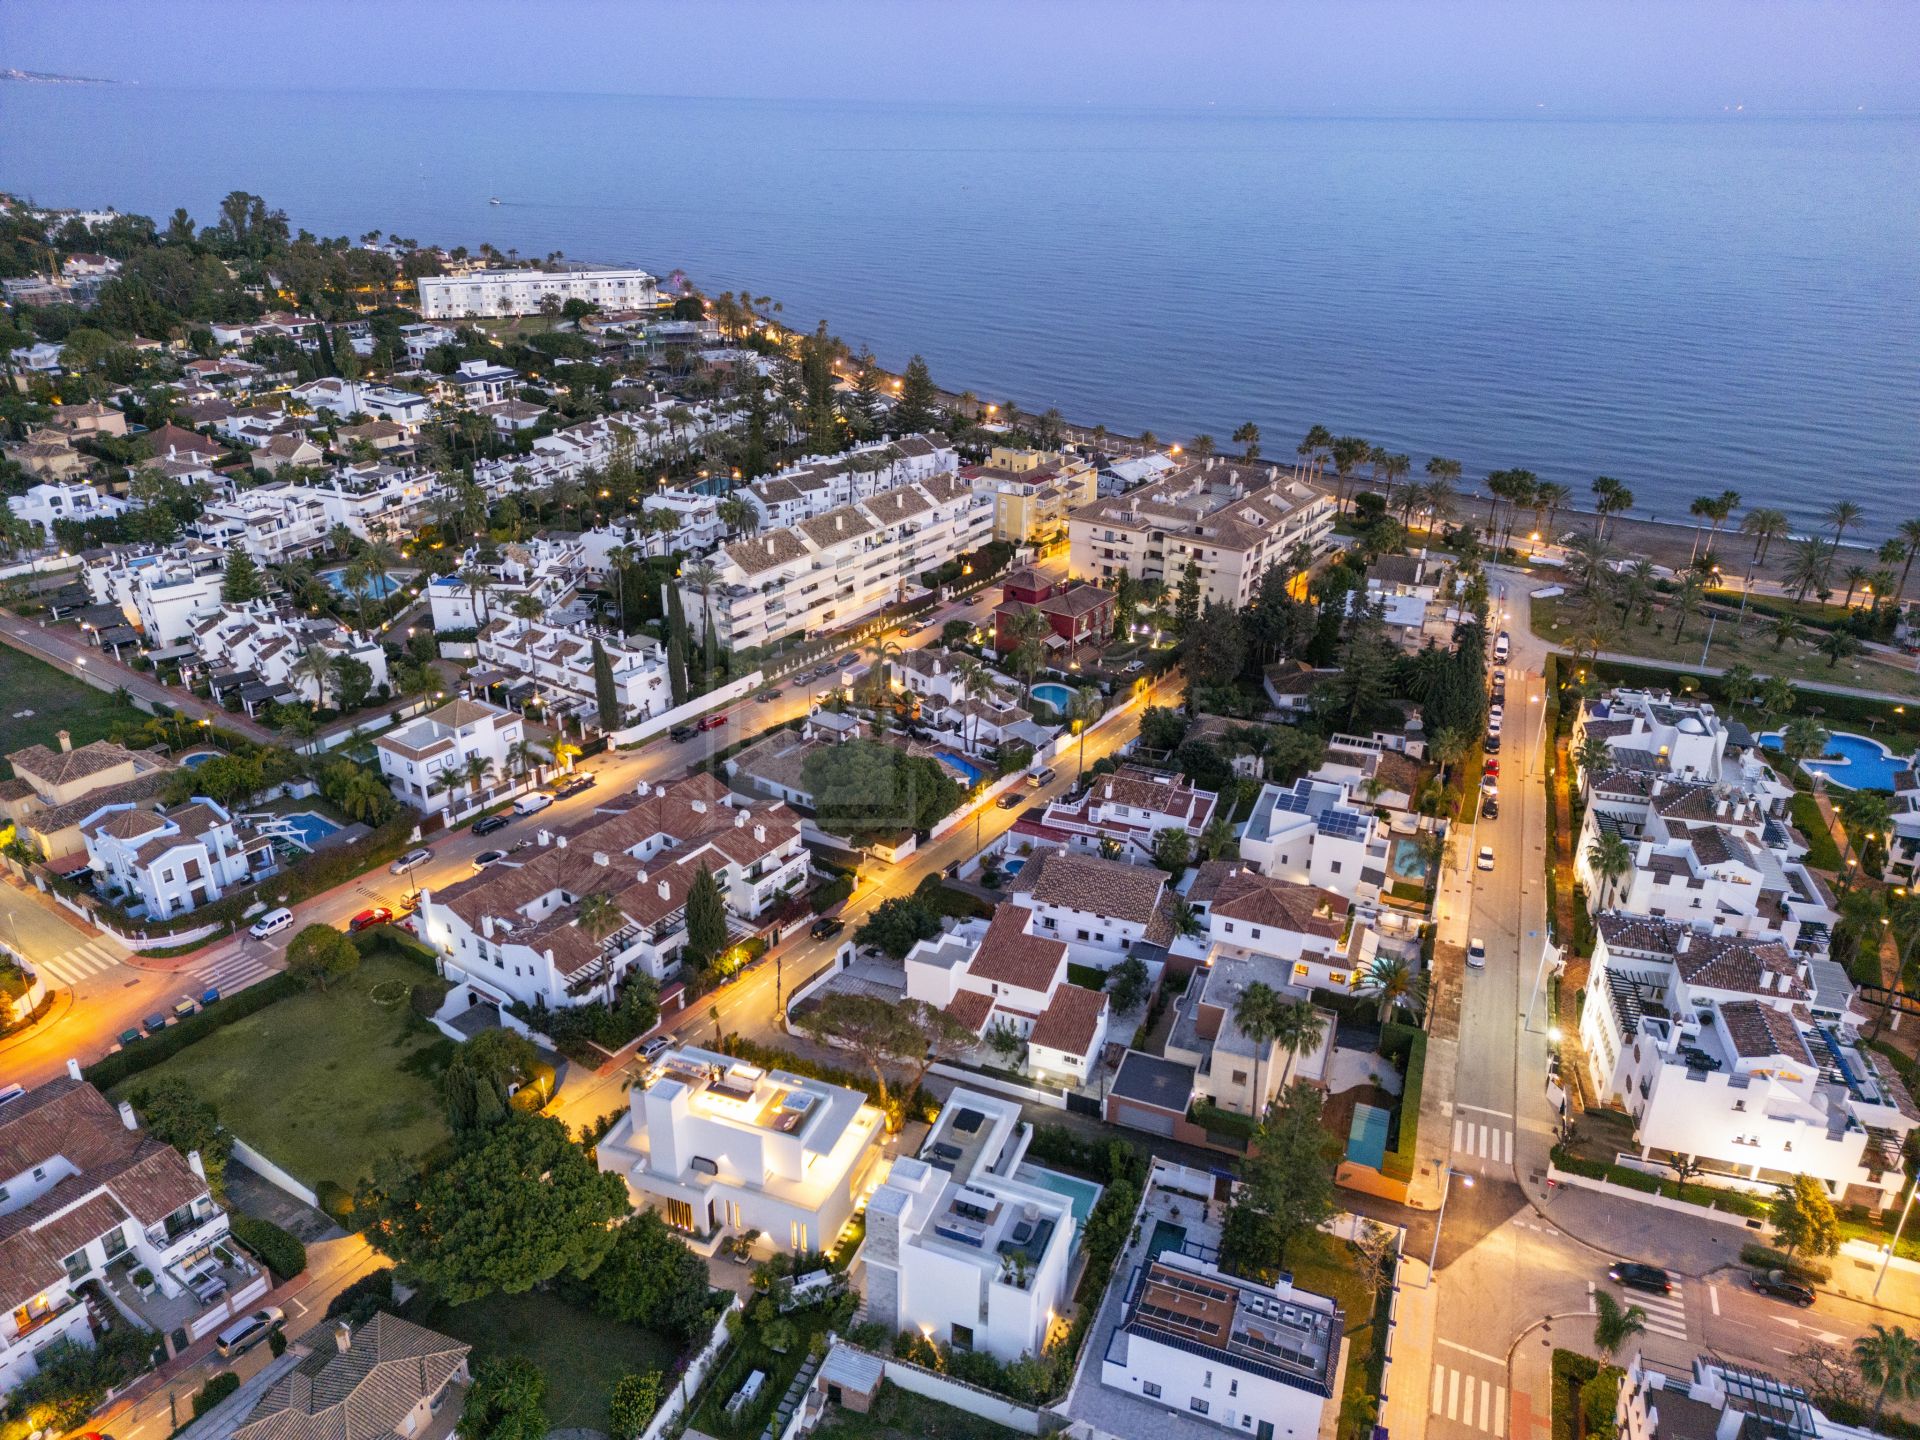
point(1840, 515)
point(1247, 437)
point(1838, 645)
point(1802, 738)
point(1614, 1324)
point(1909, 533)
point(1609, 857)
point(1390, 469)
point(1591, 554)
point(1739, 682)
point(1855, 576)
point(1785, 628)
point(1314, 448)
point(316, 665)
point(1083, 710)
point(1591, 754)
point(1890, 1360)
point(599, 917)
point(478, 770)
point(1609, 498)
point(1550, 496)
point(1029, 631)
point(1686, 602)
point(1257, 1015)
point(1812, 559)
point(1218, 838)
point(478, 582)
point(1389, 978)
point(1298, 1026)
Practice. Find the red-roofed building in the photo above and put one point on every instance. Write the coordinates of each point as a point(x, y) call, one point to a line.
point(1130, 806)
point(1079, 618)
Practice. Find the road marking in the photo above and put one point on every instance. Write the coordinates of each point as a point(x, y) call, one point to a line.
point(1479, 1403)
point(1488, 1142)
point(70, 967)
point(1483, 1110)
point(1469, 1350)
point(1713, 1294)
point(232, 972)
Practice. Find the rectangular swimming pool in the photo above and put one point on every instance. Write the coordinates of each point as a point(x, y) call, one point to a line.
point(1083, 1193)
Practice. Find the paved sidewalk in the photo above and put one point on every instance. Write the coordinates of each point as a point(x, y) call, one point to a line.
point(1405, 1413)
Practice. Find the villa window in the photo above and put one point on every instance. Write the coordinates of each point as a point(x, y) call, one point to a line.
point(1150, 1389)
point(1198, 1406)
point(962, 1337)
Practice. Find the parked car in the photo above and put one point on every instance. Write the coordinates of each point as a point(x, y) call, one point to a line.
point(912, 627)
point(1010, 800)
point(369, 917)
point(1782, 1286)
point(1037, 778)
point(488, 857)
point(655, 1048)
point(1641, 1277)
point(1489, 786)
point(575, 783)
point(1486, 857)
point(417, 856)
point(1491, 768)
point(487, 824)
point(1497, 713)
point(680, 734)
point(1490, 808)
point(713, 721)
point(1493, 742)
point(271, 923)
point(532, 804)
point(243, 1335)
point(825, 927)
point(1502, 647)
point(1500, 677)
point(1477, 953)
point(11, 1093)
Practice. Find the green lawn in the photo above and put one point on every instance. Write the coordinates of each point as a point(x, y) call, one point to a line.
point(1326, 1266)
point(580, 1353)
point(326, 1082)
point(57, 702)
point(1555, 620)
point(901, 1415)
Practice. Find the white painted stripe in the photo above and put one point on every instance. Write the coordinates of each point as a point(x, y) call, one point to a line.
point(1483, 1110)
point(1486, 1404)
point(1453, 1394)
point(1469, 1350)
point(1457, 1127)
point(1507, 1136)
point(1713, 1294)
point(1439, 1387)
point(1500, 1410)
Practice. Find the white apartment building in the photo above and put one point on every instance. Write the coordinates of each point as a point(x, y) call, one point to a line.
point(1234, 522)
point(544, 569)
point(1310, 834)
point(820, 483)
point(421, 757)
point(1099, 909)
point(344, 398)
point(1738, 1054)
point(1251, 1358)
point(86, 1194)
point(419, 338)
point(270, 644)
point(1129, 807)
point(42, 505)
point(512, 932)
point(528, 292)
point(163, 591)
point(556, 664)
point(829, 571)
point(717, 1145)
point(1719, 1400)
point(475, 383)
point(564, 455)
point(167, 863)
point(272, 523)
point(1013, 973)
point(1650, 730)
point(958, 1247)
point(700, 527)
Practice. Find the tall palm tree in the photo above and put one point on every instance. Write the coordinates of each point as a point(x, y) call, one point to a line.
point(1610, 497)
point(1686, 601)
point(1889, 1359)
point(1257, 1015)
point(1764, 526)
point(1392, 982)
point(1785, 628)
point(1314, 448)
point(316, 665)
point(1840, 515)
point(1298, 1026)
point(1591, 754)
point(1247, 437)
point(1855, 576)
point(479, 770)
point(1812, 559)
point(1029, 630)
point(970, 678)
point(1614, 1324)
point(1550, 496)
point(1083, 709)
point(1719, 510)
point(1909, 533)
point(1609, 857)
point(478, 583)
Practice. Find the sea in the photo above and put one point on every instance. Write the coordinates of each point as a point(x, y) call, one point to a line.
point(1688, 305)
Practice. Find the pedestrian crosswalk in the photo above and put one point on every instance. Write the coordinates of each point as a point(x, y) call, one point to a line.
point(234, 971)
point(1666, 1314)
point(1488, 1142)
point(1470, 1400)
point(83, 961)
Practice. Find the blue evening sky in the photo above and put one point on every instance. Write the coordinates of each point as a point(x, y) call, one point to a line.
point(1313, 57)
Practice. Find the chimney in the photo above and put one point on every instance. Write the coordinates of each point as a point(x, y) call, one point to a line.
point(66, 741)
point(545, 837)
point(195, 1164)
point(739, 819)
point(643, 789)
point(699, 807)
point(1684, 944)
point(342, 1336)
point(559, 842)
point(760, 834)
point(486, 927)
point(665, 893)
point(73, 1068)
point(641, 878)
point(127, 1117)
point(600, 858)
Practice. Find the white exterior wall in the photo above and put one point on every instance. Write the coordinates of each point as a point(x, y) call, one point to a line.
point(1184, 1381)
point(43, 504)
point(521, 292)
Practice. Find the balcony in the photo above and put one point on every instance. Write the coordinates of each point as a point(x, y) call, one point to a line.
point(30, 1321)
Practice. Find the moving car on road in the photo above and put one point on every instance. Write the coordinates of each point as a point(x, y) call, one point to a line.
point(655, 1048)
point(1486, 857)
point(487, 824)
point(825, 927)
point(713, 721)
point(271, 923)
point(1010, 800)
point(1782, 1286)
point(532, 804)
point(1635, 1276)
point(680, 734)
point(575, 783)
point(488, 857)
point(369, 917)
point(243, 1335)
point(1477, 953)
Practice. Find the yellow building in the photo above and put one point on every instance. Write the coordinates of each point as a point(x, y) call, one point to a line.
point(1033, 493)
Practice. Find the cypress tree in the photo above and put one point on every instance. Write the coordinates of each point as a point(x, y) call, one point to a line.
point(676, 645)
point(603, 687)
point(706, 917)
point(242, 580)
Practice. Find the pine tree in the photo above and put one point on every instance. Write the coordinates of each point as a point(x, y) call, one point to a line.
point(603, 687)
point(915, 409)
point(706, 917)
point(676, 645)
point(242, 581)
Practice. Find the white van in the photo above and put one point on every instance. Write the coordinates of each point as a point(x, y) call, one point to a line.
point(271, 923)
point(1502, 645)
point(532, 804)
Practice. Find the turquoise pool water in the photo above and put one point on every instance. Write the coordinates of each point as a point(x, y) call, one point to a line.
point(378, 587)
point(1408, 863)
point(1083, 1193)
point(197, 758)
point(311, 828)
point(1367, 1139)
point(1015, 865)
point(1166, 1236)
point(968, 769)
point(1854, 762)
point(1056, 696)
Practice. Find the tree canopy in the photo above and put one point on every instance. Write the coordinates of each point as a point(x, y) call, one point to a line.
point(864, 789)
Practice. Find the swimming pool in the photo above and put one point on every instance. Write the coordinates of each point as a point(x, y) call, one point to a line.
point(1853, 762)
point(966, 767)
point(311, 828)
point(197, 758)
point(1367, 1136)
point(1083, 1193)
point(1408, 863)
point(1166, 1236)
point(1015, 866)
point(378, 587)
point(1056, 696)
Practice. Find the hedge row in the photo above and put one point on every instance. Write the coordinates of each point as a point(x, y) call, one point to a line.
point(1765, 1257)
point(283, 1253)
point(143, 1055)
point(1730, 1202)
point(832, 893)
point(1407, 1047)
point(1571, 1372)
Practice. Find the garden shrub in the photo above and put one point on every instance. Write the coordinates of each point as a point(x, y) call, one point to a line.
point(280, 1250)
point(214, 1391)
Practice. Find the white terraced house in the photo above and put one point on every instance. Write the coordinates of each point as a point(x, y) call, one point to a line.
point(818, 483)
point(958, 1247)
point(86, 1194)
point(420, 758)
point(272, 523)
point(544, 569)
point(1650, 730)
point(556, 663)
point(1234, 522)
point(478, 382)
point(1100, 909)
point(1736, 1054)
point(270, 644)
point(565, 454)
point(513, 932)
point(1309, 833)
point(530, 291)
point(164, 591)
point(717, 1145)
point(167, 863)
point(1129, 807)
point(829, 571)
point(42, 505)
point(376, 500)
point(343, 398)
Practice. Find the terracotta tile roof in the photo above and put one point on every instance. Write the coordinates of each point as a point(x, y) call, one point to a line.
point(1247, 895)
point(1759, 1031)
point(129, 824)
point(763, 552)
point(1010, 956)
point(59, 767)
point(360, 1393)
point(1070, 1021)
point(1080, 600)
point(1739, 962)
point(843, 522)
point(1092, 884)
point(971, 1008)
point(1623, 931)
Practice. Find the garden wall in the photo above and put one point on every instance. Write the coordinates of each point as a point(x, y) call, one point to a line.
point(681, 1397)
point(699, 705)
point(272, 1173)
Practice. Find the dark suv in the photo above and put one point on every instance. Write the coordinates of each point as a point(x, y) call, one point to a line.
point(487, 824)
point(1782, 1286)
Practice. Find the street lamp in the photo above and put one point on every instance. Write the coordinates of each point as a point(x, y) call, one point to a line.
point(1446, 1189)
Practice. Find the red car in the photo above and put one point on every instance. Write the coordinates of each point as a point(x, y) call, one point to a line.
point(712, 722)
point(1493, 767)
point(378, 915)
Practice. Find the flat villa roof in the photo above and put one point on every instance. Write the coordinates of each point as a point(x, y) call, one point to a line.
point(1281, 1329)
point(746, 1094)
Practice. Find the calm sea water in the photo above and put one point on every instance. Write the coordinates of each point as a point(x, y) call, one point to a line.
point(1685, 305)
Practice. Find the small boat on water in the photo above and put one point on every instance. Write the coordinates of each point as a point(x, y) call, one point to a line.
point(494, 201)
